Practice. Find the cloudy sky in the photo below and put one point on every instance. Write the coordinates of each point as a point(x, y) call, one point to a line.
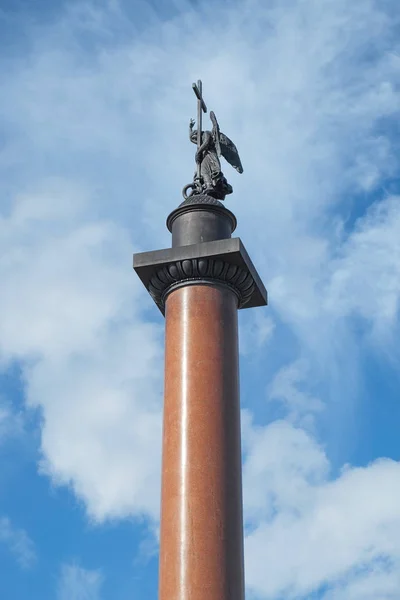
point(95, 103)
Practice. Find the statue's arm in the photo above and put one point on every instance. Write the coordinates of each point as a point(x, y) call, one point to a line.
point(207, 139)
point(191, 125)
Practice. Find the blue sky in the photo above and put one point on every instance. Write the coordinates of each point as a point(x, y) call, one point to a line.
point(95, 103)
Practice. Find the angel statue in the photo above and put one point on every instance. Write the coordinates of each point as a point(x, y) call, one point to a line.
point(209, 179)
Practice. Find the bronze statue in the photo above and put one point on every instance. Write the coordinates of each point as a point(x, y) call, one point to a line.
point(209, 179)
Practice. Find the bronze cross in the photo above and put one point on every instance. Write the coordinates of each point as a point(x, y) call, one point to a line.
point(201, 107)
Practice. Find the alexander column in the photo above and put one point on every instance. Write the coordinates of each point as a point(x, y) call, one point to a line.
point(199, 284)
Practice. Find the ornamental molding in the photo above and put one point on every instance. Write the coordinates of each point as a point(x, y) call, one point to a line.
point(207, 271)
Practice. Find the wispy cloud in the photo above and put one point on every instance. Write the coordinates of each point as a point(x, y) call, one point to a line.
point(18, 543)
point(77, 583)
point(11, 423)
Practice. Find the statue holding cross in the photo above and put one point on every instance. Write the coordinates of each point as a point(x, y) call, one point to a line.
point(209, 179)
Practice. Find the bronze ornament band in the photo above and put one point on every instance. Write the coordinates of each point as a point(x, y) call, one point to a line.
point(206, 271)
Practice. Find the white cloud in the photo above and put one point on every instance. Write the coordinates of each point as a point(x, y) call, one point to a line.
point(365, 278)
point(381, 580)
point(18, 543)
point(255, 331)
point(282, 466)
point(91, 363)
point(300, 404)
point(306, 530)
point(77, 583)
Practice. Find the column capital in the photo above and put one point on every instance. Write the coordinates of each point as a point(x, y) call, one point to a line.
point(220, 262)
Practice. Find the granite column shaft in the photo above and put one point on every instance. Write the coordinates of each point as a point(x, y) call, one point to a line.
point(201, 542)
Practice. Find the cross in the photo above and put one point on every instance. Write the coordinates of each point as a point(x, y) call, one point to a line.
point(201, 107)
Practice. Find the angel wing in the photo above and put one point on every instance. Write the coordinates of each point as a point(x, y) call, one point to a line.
point(225, 146)
point(230, 153)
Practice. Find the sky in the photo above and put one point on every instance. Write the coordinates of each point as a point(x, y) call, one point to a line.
point(95, 104)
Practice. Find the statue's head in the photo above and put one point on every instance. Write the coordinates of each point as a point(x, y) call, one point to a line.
point(193, 137)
